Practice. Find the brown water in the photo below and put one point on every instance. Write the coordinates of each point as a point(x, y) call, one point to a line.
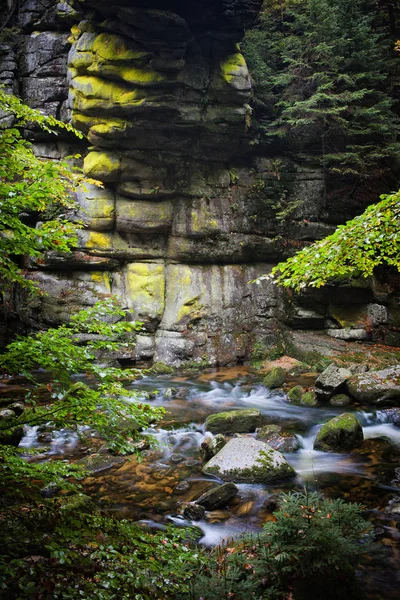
point(170, 474)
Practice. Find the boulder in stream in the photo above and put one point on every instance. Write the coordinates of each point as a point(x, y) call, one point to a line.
point(340, 400)
point(331, 381)
point(193, 511)
point(97, 463)
point(295, 394)
point(308, 399)
point(234, 421)
point(379, 388)
point(11, 433)
point(210, 448)
point(246, 460)
point(340, 434)
point(218, 497)
point(275, 378)
point(278, 439)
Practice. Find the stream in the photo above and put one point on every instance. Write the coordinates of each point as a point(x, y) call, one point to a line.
point(170, 473)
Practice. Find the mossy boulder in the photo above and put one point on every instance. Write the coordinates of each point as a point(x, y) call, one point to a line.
point(246, 460)
point(308, 399)
point(79, 503)
point(275, 378)
point(98, 463)
point(234, 421)
point(379, 388)
point(218, 497)
point(340, 434)
point(331, 381)
point(11, 433)
point(340, 400)
point(278, 439)
point(295, 394)
point(212, 447)
point(160, 368)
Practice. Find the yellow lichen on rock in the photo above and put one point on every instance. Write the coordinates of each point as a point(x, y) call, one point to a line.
point(102, 280)
point(233, 66)
point(96, 93)
point(104, 166)
point(145, 289)
point(113, 47)
point(99, 241)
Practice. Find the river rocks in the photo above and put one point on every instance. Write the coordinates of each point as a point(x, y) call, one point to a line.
point(182, 487)
point(278, 439)
point(295, 394)
point(308, 399)
point(275, 378)
point(340, 400)
point(247, 460)
point(340, 434)
point(234, 421)
point(193, 511)
point(17, 408)
point(10, 432)
point(78, 503)
point(210, 448)
point(391, 415)
point(331, 381)
point(98, 463)
point(218, 497)
point(379, 388)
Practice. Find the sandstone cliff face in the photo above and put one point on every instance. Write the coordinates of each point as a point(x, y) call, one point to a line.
point(188, 214)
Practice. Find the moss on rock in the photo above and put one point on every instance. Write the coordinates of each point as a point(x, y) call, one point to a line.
point(104, 166)
point(247, 460)
point(275, 378)
point(308, 399)
point(295, 394)
point(340, 434)
point(234, 421)
point(340, 400)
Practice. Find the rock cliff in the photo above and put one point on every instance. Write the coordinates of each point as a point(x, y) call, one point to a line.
point(189, 213)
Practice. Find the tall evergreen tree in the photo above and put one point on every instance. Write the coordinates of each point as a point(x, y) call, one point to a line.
point(331, 85)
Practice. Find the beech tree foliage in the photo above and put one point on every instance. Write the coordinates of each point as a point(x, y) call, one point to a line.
point(354, 249)
point(28, 187)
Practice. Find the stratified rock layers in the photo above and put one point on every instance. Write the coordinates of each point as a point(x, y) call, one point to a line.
point(188, 213)
point(162, 94)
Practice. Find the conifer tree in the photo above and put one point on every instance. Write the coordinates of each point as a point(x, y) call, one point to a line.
point(331, 85)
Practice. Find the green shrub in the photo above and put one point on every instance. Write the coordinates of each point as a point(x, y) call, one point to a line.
point(310, 551)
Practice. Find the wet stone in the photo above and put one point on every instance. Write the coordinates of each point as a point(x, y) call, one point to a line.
point(340, 434)
point(271, 503)
point(234, 421)
point(182, 487)
point(97, 463)
point(308, 399)
point(211, 447)
point(379, 388)
point(193, 511)
point(331, 381)
point(218, 497)
point(182, 393)
point(17, 407)
point(275, 378)
point(390, 415)
point(340, 400)
point(246, 460)
point(295, 394)
point(191, 462)
point(278, 439)
point(177, 457)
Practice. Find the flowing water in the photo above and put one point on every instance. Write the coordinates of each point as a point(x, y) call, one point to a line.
point(153, 490)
